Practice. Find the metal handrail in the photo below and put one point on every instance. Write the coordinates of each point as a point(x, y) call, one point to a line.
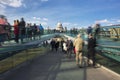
point(109, 46)
point(26, 46)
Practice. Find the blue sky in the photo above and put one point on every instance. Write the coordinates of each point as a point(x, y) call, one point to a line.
point(71, 13)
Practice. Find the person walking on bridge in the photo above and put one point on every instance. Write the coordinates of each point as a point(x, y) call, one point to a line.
point(16, 30)
point(91, 49)
point(69, 47)
point(78, 44)
point(52, 43)
point(22, 25)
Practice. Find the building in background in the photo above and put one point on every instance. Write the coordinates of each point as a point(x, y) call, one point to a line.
point(59, 27)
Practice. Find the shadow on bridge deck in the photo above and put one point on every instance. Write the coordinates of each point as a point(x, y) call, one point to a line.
point(56, 66)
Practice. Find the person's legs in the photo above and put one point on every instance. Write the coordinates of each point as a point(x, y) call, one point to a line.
point(70, 53)
point(21, 38)
point(88, 60)
point(77, 57)
point(56, 48)
point(94, 60)
point(52, 47)
point(80, 58)
point(16, 38)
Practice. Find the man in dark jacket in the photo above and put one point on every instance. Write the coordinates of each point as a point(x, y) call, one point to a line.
point(91, 49)
point(52, 43)
point(89, 30)
point(69, 47)
point(22, 29)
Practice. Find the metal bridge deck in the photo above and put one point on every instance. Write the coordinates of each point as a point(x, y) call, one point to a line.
point(56, 66)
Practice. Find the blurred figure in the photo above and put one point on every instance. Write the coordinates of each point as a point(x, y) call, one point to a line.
point(4, 27)
point(16, 30)
point(62, 41)
point(65, 47)
point(56, 45)
point(69, 47)
point(22, 29)
point(34, 31)
point(41, 29)
point(91, 49)
point(52, 43)
point(78, 44)
point(89, 30)
point(97, 31)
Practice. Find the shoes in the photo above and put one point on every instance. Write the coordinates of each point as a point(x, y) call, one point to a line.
point(96, 66)
point(79, 66)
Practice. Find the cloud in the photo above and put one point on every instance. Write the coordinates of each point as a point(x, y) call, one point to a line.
point(75, 24)
point(24, 6)
point(36, 18)
point(102, 21)
point(38, 21)
point(114, 21)
point(118, 20)
point(44, 0)
point(70, 24)
point(45, 19)
point(12, 3)
point(66, 23)
point(2, 6)
point(2, 9)
point(44, 23)
point(108, 22)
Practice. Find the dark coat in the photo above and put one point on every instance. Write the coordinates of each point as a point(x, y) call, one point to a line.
point(57, 44)
point(91, 46)
point(22, 27)
point(52, 43)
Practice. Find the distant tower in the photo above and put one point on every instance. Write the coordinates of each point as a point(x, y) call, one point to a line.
point(59, 27)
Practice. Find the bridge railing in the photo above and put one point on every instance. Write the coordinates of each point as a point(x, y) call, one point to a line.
point(107, 54)
point(11, 56)
point(109, 51)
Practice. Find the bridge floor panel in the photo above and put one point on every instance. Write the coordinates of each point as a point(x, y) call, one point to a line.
point(56, 66)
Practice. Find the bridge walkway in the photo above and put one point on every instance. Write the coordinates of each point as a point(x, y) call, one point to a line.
point(56, 66)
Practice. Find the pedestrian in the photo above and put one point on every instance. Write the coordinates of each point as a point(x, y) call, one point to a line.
point(65, 47)
point(52, 43)
point(91, 49)
point(56, 45)
point(78, 44)
point(34, 31)
point(16, 30)
point(69, 47)
point(89, 30)
point(62, 41)
point(4, 29)
point(97, 31)
point(22, 29)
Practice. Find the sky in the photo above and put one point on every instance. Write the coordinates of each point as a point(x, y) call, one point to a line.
point(71, 13)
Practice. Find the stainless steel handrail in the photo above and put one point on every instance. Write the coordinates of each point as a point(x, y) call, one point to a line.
point(109, 46)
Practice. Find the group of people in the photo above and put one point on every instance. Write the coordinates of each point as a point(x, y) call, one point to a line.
point(23, 30)
point(19, 30)
point(68, 47)
point(4, 29)
point(79, 43)
point(95, 30)
point(19, 27)
point(54, 45)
